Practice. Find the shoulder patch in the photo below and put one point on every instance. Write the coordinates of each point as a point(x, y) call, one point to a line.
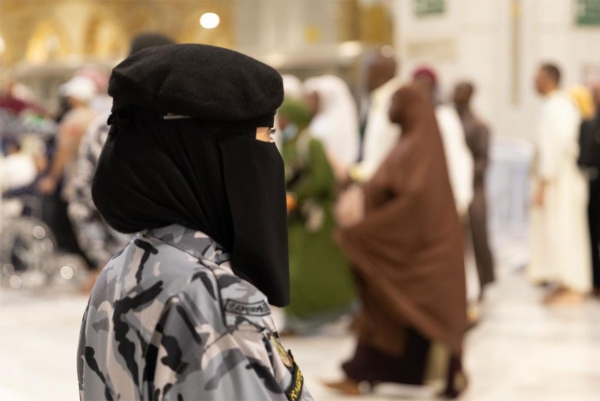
point(259, 308)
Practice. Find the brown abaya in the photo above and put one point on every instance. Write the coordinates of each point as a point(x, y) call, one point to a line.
point(407, 254)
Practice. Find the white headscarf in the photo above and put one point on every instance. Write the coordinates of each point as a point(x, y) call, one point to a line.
point(292, 86)
point(81, 88)
point(336, 122)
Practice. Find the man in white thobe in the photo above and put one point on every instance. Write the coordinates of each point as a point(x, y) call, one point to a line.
point(560, 252)
point(380, 134)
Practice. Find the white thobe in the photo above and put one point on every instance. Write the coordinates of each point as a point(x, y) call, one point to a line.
point(459, 160)
point(380, 133)
point(560, 241)
point(458, 157)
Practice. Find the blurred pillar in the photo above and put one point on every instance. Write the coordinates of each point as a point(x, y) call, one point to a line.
point(515, 51)
point(368, 21)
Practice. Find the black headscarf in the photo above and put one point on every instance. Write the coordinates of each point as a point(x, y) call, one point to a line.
point(158, 169)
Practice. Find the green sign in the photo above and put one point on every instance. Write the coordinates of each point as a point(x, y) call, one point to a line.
point(588, 12)
point(425, 8)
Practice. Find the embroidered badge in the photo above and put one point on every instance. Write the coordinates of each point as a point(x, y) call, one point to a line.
point(285, 357)
point(249, 309)
point(295, 391)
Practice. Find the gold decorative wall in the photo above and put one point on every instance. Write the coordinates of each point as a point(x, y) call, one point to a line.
point(65, 30)
point(369, 22)
point(39, 31)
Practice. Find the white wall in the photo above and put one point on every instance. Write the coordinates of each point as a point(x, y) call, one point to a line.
point(473, 40)
point(278, 28)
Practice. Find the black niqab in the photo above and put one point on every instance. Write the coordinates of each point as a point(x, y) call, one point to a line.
point(255, 182)
point(212, 177)
point(153, 173)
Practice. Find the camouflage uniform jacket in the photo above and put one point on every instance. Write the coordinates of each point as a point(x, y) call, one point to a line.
point(169, 320)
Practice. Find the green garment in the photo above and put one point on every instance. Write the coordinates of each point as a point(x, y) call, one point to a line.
point(321, 282)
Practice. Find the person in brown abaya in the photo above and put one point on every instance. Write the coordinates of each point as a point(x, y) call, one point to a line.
point(407, 258)
point(478, 138)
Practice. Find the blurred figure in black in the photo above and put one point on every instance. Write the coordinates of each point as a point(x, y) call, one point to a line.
point(477, 135)
point(589, 158)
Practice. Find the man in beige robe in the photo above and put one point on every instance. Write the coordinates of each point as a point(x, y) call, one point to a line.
point(560, 244)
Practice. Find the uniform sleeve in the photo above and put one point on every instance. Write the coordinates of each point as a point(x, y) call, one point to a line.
point(198, 360)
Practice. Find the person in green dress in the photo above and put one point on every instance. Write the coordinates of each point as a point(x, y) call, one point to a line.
point(321, 282)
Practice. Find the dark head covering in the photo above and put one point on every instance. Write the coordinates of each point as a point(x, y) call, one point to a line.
point(426, 72)
point(149, 39)
point(204, 82)
point(182, 150)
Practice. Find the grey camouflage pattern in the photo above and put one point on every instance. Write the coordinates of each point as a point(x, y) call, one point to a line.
point(169, 320)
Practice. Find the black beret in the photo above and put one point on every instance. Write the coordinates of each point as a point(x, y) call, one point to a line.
point(199, 81)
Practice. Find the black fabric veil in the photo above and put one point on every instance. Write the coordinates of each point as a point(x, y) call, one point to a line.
point(160, 172)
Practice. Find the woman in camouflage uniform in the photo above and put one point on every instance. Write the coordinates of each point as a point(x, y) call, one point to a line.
point(182, 313)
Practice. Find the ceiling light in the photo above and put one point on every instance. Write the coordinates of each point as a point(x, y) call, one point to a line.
point(209, 20)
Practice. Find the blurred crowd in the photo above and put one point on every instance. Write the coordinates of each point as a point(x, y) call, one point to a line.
point(386, 197)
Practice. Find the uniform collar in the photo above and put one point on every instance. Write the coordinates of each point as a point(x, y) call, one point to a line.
point(192, 242)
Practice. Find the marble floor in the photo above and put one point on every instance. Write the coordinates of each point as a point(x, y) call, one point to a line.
point(520, 352)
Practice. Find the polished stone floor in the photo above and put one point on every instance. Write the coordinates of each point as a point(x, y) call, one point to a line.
point(520, 352)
